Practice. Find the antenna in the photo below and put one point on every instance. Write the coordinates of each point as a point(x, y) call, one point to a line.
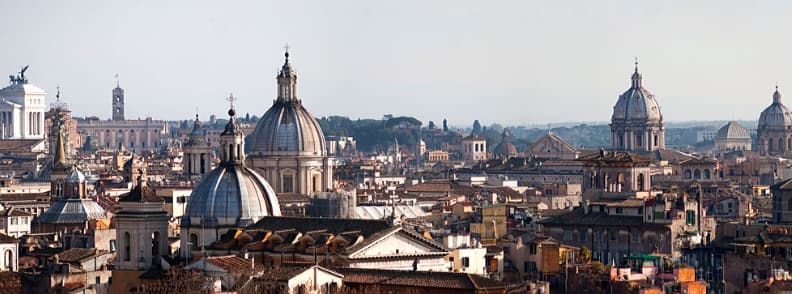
point(115, 78)
point(231, 99)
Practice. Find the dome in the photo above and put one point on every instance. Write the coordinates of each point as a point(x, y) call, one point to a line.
point(287, 128)
point(75, 176)
point(196, 136)
point(231, 194)
point(775, 116)
point(72, 210)
point(733, 130)
point(637, 104)
point(505, 148)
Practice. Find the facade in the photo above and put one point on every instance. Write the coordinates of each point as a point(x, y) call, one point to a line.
point(732, 137)
point(616, 174)
point(551, 146)
point(230, 196)
point(637, 123)
point(137, 134)
point(782, 202)
point(774, 132)
point(22, 109)
point(288, 146)
point(15, 223)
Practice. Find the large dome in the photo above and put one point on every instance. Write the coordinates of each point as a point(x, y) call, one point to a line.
point(733, 130)
point(775, 116)
point(231, 194)
point(637, 104)
point(506, 149)
point(287, 128)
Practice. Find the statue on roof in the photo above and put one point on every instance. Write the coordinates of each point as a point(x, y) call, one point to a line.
point(20, 78)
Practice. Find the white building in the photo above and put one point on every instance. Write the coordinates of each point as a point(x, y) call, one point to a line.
point(9, 253)
point(15, 222)
point(22, 109)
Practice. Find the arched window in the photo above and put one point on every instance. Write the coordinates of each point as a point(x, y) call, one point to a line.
point(707, 174)
point(155, 244)
point(9, 260)
point(641, 183)
point(127, 248)
point(697, 174)
point(780, 144)
point(688, 174)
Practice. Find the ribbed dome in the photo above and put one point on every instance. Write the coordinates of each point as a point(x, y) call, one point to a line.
point(72, 210)
point(775, 116)
point(287, 128)
point(75, 176)
point(733, 130)
point(637, 104)
point(231, 195)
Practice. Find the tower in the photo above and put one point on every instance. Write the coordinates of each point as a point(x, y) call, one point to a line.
point(60, 166)
point(197, 152)
point(118, 101)
point(141, 228)
point(637, 124)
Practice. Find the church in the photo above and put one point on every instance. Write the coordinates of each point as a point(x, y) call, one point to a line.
point(288, 146)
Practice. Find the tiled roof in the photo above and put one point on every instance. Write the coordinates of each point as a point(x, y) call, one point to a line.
point(14, 212)
point(140, 193)
point(629, 202)
point(72, 210)
point(614, 156)
point(577, 217)
point(232, 264)
point(441, 280)
point(6, 239)
point(331, 225)
point(76, 254)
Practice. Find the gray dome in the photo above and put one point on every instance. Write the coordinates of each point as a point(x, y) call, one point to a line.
point(733, 130)
point(287, 128)
point(775, 116)
point(230, 195)
point(637, 104)
point(72, 210)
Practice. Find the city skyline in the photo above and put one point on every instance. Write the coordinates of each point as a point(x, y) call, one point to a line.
point(516, 65)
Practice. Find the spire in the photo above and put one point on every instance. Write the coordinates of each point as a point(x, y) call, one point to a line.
point(636, 76)
point(60, 150)
point(776, 96)
point(57, 96)
point(116, 81)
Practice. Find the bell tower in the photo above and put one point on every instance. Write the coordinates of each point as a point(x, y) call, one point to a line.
point(118, 101)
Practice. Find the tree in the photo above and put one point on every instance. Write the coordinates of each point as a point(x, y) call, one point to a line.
point(432, 125)
point(445, 125)
point(584, 256)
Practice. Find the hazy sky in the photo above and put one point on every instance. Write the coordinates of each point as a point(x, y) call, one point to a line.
point(512, 62)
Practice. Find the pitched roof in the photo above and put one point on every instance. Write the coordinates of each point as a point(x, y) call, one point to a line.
point(578, 217)
point(420, 279)
point(76, 254)
point(6, 239)
point(231, 263)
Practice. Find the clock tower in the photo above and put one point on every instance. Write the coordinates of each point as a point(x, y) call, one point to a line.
point(118, 101)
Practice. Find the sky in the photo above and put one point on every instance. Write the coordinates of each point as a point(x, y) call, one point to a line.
point(507, 62)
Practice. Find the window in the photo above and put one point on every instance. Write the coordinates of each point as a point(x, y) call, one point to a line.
point(613, 235)
point(690, 217)
point(287, 183)
point(568, 235)
point(636, 236)
point(181, 199)
point(155, 242)
point(707, 174)
point(582, 234)
point(112, 245)
point(127, 249)
point(619, 210)
point(465, 261)
point(641, 183)
point(688, 174)
point(13, 221)
point(532, 249)
point(697, 174)
point(194, 242)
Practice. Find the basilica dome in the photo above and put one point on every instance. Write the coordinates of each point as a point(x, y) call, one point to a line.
point(231, 194)
point(733, 130)
point(775, 116)
point(637, 103)
point(196, 136)
point(287, 128)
